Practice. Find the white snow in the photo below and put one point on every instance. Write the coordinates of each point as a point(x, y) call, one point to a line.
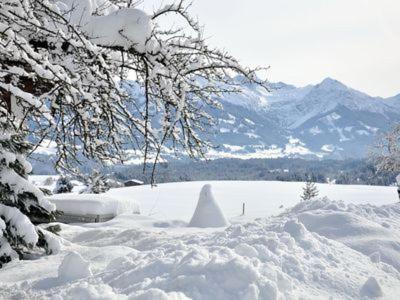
point(96, 204)
point(125, 27)
point(262, 198)
point(328, 148)
point(73, 267)
point(312, 250)
point(208, 213)
point(107, 25)
point(371, 289)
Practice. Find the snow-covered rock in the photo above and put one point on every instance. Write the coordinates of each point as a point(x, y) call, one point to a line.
point(73, 267)
point(208, 213)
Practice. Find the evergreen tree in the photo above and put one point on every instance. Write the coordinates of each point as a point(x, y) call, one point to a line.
point(97, 184)
point(310, 191)
point(21, 204)
point(63, 185)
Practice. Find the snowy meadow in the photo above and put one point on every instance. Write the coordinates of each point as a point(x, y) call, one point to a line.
point(281, 247)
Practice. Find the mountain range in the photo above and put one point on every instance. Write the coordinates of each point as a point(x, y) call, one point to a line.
point(327, 120)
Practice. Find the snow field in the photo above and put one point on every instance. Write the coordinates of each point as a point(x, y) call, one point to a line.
point(314, 250)
point(262, 198)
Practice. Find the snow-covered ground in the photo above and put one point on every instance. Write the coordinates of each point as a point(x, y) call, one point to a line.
point(324, 249)
point(262, 198)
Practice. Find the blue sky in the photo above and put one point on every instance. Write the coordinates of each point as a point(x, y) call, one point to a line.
point(304, 41)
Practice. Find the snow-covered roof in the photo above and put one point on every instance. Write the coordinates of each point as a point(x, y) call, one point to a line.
point(93, 204)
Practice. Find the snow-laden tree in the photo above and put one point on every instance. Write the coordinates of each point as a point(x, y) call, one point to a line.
point(310, 191)
point(20, 202)
point(386, 153)
point(96, 183)
point(63, 185)
point(63, 71)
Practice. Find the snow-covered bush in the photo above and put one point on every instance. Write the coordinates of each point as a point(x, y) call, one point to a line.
point(310, 191)
point(64, 67)
point(63, 185)
point(96, 184)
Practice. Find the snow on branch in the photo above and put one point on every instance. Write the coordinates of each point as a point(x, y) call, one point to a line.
point(386, 153)
point(65, 66)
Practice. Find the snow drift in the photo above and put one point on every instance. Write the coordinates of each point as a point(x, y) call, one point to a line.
point(208, 213)
point(368, 229)
point(308, 252)
point(94, 204)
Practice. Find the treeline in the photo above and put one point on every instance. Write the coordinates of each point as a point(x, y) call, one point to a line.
point(283, 169)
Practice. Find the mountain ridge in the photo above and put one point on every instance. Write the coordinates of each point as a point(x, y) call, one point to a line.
point(328, 119)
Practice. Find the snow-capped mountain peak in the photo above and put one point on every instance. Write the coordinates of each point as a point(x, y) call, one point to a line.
point(328, 118)
point(331, 84)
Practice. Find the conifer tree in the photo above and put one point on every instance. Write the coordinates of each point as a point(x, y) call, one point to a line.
point(21, 204)
point(97, 184)
point(63, 185)
point(310, 191)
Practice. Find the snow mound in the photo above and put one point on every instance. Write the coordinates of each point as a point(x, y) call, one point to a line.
point(208, 213)
point(95, 204)
point(125, 27)
point(295, 229)
point(73, 267)
point(371, 289)
point(371, 230)
point(316, 250)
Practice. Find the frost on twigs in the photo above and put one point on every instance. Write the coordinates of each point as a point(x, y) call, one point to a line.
point(208, 213)
point(64, 63)
point(64, 69)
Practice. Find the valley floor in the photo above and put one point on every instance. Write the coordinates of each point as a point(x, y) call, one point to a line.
point(281, 249)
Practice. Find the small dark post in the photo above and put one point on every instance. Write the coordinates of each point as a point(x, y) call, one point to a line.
point(243, 208)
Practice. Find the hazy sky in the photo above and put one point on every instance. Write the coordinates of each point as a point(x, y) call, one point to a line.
point(304, 41)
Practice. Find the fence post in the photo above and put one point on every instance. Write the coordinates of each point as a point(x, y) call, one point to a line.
point(243, 208)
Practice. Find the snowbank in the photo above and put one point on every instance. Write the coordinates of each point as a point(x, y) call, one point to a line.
point(315, 250)
point(94, 204)
point(208, 213)
point(371, 230)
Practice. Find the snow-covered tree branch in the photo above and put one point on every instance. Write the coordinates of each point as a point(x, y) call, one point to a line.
point(64, 71)
point(386, 153)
